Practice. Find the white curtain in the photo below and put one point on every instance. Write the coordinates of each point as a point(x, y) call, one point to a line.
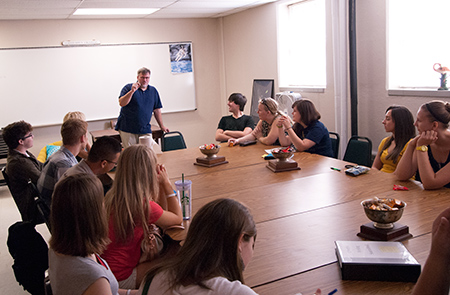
point(340, 69)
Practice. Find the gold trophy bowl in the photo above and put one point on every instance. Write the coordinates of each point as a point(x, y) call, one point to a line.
point(210, 153)
point(383, 212)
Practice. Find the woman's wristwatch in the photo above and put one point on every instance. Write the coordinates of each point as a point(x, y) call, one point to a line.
point(422, 148)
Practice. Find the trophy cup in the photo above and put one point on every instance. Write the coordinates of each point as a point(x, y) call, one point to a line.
point(211, 158)
point(283, 161)
point(384, 213)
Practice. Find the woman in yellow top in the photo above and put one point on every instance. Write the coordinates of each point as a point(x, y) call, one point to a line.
point(400, 122)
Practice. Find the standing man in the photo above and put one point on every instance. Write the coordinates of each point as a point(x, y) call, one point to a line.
point(236, 125)
point(138, 101)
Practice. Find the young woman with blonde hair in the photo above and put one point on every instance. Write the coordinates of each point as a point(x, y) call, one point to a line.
point(265, 131)
point(141, 195)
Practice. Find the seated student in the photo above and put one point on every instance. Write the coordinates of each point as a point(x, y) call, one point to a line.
point(83, 154)
point(428, 154)
point(218, 246)
point(79, 235)
point(265, 131)
point(237, 124)
point(74, 137)
point(102, 158)
point(141, 195)
point(43, 154)
point(21, 166)
point(435, 276)
point(400, 122)
point(307, 134)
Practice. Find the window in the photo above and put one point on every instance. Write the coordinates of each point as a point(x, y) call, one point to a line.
point(417, 39)
point(302, 44)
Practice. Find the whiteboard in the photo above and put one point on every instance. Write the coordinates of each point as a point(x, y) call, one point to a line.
point(40, 85)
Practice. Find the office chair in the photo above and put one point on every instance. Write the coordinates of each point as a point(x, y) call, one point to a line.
point(335, 140)
point(43, 209)
point(173, 140)
point(359, 151)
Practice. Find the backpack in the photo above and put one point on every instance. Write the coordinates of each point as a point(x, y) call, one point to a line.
point(30, 253)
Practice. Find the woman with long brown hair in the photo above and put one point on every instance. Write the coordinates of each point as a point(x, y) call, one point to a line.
point(218, 246)
point(307, 134)
point(400, 122)
point(79, 235)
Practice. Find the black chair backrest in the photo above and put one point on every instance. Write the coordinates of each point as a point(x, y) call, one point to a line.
point(335, 140)
point(3, 147)
point(42, 208)
point(359, 151)
point(173, 140)
point(3, 155)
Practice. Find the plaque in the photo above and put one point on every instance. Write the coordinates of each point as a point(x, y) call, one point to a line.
point(398, 233)
point(282, 165)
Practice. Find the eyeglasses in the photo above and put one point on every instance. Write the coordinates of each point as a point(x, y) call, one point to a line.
point(29, 135)
point(264, 102)
point(115, 163)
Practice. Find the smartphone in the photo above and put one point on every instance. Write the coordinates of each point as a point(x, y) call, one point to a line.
point(248, 142)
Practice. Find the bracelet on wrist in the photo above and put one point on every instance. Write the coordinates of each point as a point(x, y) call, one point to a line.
point(288, 128)
point(128, 292)
point(171, 195)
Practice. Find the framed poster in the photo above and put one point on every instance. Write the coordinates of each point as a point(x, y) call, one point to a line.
point(261, 89)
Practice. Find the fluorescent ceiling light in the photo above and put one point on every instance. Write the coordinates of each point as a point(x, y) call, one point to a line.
point(115, 11)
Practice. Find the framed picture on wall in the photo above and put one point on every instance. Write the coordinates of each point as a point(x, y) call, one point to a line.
point(261, 89)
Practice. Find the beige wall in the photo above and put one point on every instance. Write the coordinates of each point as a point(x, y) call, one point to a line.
point(372, 68)
point(198, 126)
point(228, 54)
point(250, 47)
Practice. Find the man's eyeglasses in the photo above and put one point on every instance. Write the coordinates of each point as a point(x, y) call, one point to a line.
point(29, 135)
point(115, 163)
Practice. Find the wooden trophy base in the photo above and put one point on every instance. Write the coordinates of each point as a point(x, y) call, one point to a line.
point(398, 233)
point(210, 162)
point(281, 166)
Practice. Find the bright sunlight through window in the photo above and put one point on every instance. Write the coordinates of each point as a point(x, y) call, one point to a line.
point(302, 44)
point(417, 39)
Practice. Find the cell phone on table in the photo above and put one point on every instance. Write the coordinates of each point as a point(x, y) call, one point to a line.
point(248, 142)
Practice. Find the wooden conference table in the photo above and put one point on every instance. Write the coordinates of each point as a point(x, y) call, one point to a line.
point(299, 214)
